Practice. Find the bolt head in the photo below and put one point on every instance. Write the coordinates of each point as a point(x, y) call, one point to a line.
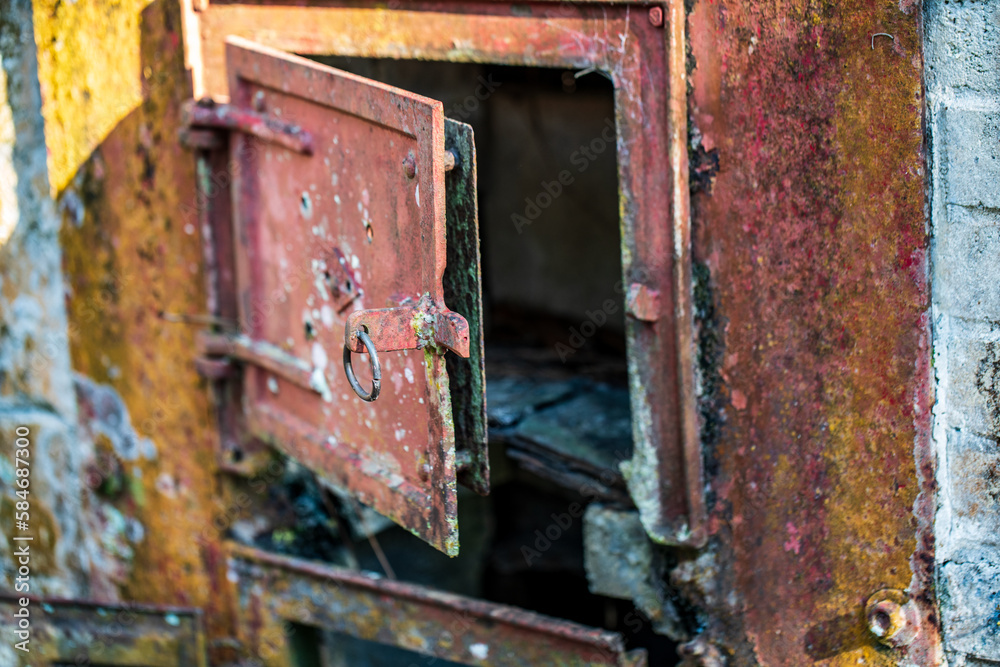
point(410, 165)
point(656, 16)
point(892, 617)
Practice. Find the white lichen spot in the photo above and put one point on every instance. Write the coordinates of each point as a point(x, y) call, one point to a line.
point(189, 229)
point(479, 651)
point(400, 434)
point(409, 375)
point(319, 357)
point(165, 485)
point(318, 383)
point(336, 198)
point(272, 384)
point(326, 315)
point(416, 194)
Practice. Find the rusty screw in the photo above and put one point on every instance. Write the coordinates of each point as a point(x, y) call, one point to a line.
point(410, 165)
point(656, 16)
point(891, 617)
point(885, 619)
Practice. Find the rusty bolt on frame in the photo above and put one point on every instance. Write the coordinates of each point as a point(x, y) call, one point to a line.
point(892, 617)
point(656, 16)
point(410, 165)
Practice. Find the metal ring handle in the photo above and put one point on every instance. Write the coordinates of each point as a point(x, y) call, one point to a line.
point(376, 369)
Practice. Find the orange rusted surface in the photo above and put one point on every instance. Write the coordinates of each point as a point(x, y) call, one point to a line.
point(132, 254)
point(811, 250)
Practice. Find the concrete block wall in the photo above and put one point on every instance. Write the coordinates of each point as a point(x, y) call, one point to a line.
point(962, 77)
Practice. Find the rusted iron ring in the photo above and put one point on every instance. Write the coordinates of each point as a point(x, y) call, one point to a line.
point(376, 369)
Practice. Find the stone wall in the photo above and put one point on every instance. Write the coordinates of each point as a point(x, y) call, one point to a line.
point(962, 76)
point(36, 384)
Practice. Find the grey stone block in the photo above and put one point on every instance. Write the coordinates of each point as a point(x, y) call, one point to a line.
point(972, 156)
point(621, 562)
point(971, 392)
point(970, 592)
point(617, 553)
point(964, 257)
point(962, 45)
point(973, 487)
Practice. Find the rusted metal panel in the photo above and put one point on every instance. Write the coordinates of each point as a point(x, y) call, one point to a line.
point(813, 242)
point(275, 590)
point(463, 291)
point(646, 60)
point(73, 632)
point(347, 236)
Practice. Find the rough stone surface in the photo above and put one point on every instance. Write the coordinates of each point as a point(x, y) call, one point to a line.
point(972, 602)
point(962, 74)
point(973, 491)
point(972, 153)
point(967, 242)
point(970, 381)
point(621, 563)
point(962, 49)
point(35, 379)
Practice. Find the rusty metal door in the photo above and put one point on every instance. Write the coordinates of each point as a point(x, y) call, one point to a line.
point(339, 218)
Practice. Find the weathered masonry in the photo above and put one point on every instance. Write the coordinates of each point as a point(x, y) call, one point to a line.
point(592, 332)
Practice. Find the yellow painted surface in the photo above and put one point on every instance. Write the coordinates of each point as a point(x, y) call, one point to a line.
point(90, 74)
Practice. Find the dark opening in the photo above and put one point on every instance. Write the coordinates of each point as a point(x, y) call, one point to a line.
point(551, 249)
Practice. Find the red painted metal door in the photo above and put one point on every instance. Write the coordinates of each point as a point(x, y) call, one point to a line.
point(339, 219)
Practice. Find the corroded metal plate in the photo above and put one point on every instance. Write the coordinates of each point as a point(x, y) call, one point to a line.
point(372, 195)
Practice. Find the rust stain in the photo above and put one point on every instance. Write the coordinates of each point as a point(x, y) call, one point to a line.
point(813, 230)
point(131, 252)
